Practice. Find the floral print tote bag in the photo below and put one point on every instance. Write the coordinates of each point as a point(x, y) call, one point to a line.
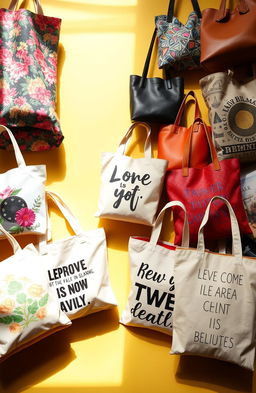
point(22, 195)
point(28, 73)
point(28, 310)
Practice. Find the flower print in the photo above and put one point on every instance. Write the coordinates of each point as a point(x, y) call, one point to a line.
point(34, 38)
point(6, 192)
point(18, 70)
point(7, 306)
point(14, 112)
point(15, 32)
point(7, 20)
point(20, 101)
point(40, 146)
point(5, 56)
point(40, 22)
point(41, 313)
point(25, 217)
point(50, 75)
point(35, 290)
point(15, 327)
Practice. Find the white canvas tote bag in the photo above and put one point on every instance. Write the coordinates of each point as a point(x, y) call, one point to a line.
point(28, 310)
point(152, 296)
point(131, 187)
point(77, 268)
point(214, 312)
point(22, 195)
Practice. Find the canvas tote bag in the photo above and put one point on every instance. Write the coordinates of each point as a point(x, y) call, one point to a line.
point(232, 114)
point(214, 313)
point(152, 297)
point(22, 195)
point(77, 268)
point(28, 310)
point(131, 187)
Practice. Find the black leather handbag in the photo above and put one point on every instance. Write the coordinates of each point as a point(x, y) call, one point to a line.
point(155, 100)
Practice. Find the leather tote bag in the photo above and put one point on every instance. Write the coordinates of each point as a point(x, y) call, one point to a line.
point(214, 314)
point(228, 38)
point(152, 295)
point(155, 100)
point(77, 268)
point(232, 114)
point(194, 187)
point(22, 195)
point(178, 43)
point(173, 139)
point(131, 187)
point(28, 310)
point(28, 69)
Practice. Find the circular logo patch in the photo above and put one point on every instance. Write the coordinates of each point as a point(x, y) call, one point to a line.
point(10, 206)
point(242, 119)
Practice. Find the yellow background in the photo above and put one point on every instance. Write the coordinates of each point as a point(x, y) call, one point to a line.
point(102, 42)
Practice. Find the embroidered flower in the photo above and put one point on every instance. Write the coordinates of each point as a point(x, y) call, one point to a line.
point(41, 313)
point(7, 306)
point(25, 217)
point(40, 146)
point(15, 327)
point(6, 192)
point(35, 290)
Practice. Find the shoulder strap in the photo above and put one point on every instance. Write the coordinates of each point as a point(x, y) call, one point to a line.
point(242, 7)
point(192, 94)
point(127, 138)
point(171, 9)
point(17, 152)
point(37, 5)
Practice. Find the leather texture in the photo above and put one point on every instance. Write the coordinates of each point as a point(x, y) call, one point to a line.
point(155, 100)
point(173, 139)
point(228, 38)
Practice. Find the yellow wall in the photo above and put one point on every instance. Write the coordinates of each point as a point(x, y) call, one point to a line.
point(103, 42)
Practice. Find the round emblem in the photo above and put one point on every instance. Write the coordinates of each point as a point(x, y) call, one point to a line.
point(242, 119)
point(10, 206)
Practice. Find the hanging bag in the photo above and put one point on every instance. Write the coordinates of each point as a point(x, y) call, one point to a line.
point(194, 187)
point(77, 268)
point(131, 187)
point(155, 100)
point(28, 310)
point(228, 38)
point(152, 296)
point(214, 313)
point(28, 68)
point(22, 195)
point(173, 139)
point(178, 44)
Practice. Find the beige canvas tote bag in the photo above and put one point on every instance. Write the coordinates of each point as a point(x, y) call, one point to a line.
point(214, 313)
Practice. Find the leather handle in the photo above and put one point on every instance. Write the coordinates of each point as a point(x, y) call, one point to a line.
point(191, 93)
point(37, 5)
point(188, 144)
point(171, 9)
point(242, 7)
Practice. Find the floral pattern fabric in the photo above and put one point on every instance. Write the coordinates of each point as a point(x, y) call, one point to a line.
point(28, 74)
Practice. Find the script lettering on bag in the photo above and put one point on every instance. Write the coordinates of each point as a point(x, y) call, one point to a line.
point(218, 291)
point(152, 297)
point(70, 282)
point(132, 195)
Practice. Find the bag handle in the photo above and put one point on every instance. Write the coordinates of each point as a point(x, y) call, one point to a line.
point(171, 9)
point(13, 242)
point(236, 239)
point(19, 157)
point(127, 138)
point(156, 230)
point(188, 144)
point(37, 5)
point(192, 94)
point(222, 12)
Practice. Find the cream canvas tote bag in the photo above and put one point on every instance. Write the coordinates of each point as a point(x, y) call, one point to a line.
point(131, 187)
point(214, 313)
point(78, 268)
point(152, 296)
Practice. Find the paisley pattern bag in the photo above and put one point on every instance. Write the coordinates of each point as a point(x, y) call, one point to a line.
point(178, 44)
point(28, 69)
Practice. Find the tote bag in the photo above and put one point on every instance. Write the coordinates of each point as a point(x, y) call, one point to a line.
point(28, 310)
point(77, 268)
point(28, 68)
point(214, 313)
point(174, 138)
point(152, 296)
point(22, 195)
point(131, 187)
point(232, 114)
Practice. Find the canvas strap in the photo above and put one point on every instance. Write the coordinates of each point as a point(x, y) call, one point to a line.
point(37, 4)
point(19, 157)
point(171, 10)
point(127, 138)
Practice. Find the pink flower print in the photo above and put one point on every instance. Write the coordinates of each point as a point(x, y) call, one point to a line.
point(6, 20)
point(5, 56)
point(40, 22)
point(50, 75)
point(18, 70)
point(19, 102)
point(41, 94)
point(25, 217)
point(6, 192)
point(34, 38)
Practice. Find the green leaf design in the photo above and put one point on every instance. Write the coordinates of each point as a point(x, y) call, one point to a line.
point(21, 298)
point(16, 229)
point(18, 310)
point(37, 204)
point(17, 318)
point(43, 301)
point(29, 301)
point(14, 286)
point(6, 320)
point(32, 309)
point(1, 219)
point(15, 192)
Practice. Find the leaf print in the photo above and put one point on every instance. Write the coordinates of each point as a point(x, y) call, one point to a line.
point(18, 310)
point(29, 301)
point(16, 229)
point(15, 192)
point(21, 298)
point(13, 287)
point(32, 309)
point(43, 301)
point(37, 204)
point(6, 320)
point(17, 318)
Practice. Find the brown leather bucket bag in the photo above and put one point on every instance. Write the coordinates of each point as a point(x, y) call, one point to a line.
point(228, 38)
